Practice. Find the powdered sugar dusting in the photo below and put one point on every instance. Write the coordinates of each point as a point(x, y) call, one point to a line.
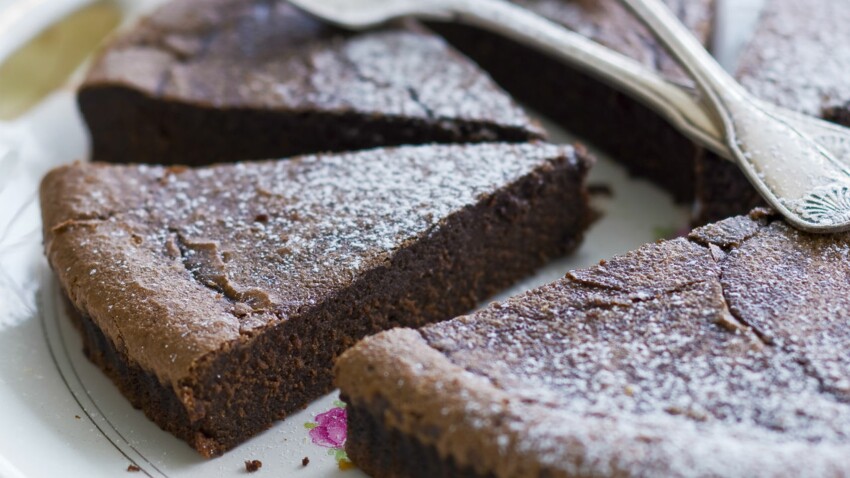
point(275, 234)
point(791, 286)
point(174, 262)
point(646, 364)
point(272, 56)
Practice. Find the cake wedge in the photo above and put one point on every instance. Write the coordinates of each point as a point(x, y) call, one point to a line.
point(616, 123)
point(218, 298)
point(720, 354)
point(206, 81)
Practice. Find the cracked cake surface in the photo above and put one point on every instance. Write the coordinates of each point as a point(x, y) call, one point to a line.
point(218, 80)
point(719, 354)
point(218, 297)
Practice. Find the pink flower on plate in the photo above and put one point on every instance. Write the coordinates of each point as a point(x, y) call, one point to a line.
point(330, 428)
point(329, 431)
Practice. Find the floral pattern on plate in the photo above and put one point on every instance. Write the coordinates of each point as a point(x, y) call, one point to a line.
point(330, 431)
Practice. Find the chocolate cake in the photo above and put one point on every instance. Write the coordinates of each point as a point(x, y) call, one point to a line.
point(720, 354)
point(217, 298)
point(203, 81)
point(631, 133)
point(613, 121)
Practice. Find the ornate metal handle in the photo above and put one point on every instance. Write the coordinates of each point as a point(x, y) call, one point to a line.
point(793, 172)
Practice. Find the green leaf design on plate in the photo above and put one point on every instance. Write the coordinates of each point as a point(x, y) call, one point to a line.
point(339, 454)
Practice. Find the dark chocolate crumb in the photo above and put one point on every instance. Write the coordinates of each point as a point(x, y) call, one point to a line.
point(305, 461)
point(600, 189)
point(253, 465)
point(133, 469)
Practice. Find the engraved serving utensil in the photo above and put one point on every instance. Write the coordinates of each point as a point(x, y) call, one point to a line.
point(790, 158)
point(793, 172)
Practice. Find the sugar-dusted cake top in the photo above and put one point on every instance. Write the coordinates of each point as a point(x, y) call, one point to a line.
point(174, 262)
point(268, 55)
point(721, 354)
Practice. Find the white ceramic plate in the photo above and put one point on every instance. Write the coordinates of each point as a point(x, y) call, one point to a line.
point(60, 416)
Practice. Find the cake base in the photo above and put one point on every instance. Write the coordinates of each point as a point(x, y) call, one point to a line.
point(384, 452)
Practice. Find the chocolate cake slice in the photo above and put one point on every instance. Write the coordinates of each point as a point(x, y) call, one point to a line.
point(720, 354)
point(218, 298)
point(613, 121)
point(203, 81)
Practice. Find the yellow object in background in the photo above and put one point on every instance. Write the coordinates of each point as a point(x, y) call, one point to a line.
point(46, 62)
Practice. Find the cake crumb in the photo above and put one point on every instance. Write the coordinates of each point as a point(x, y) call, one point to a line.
point(253, 465)
point(305, 461)
point(600, 189)
point(133, 469)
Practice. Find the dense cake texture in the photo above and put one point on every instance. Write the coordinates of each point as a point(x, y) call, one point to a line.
point(217, 298)
point(720, 354)
point(203, 81)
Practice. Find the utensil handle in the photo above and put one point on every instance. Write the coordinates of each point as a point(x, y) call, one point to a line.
point(709, 75)
point(673, 102)
point(794, 174)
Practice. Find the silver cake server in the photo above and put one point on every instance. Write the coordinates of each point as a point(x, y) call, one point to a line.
point(795, 173)
point(790, 158)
